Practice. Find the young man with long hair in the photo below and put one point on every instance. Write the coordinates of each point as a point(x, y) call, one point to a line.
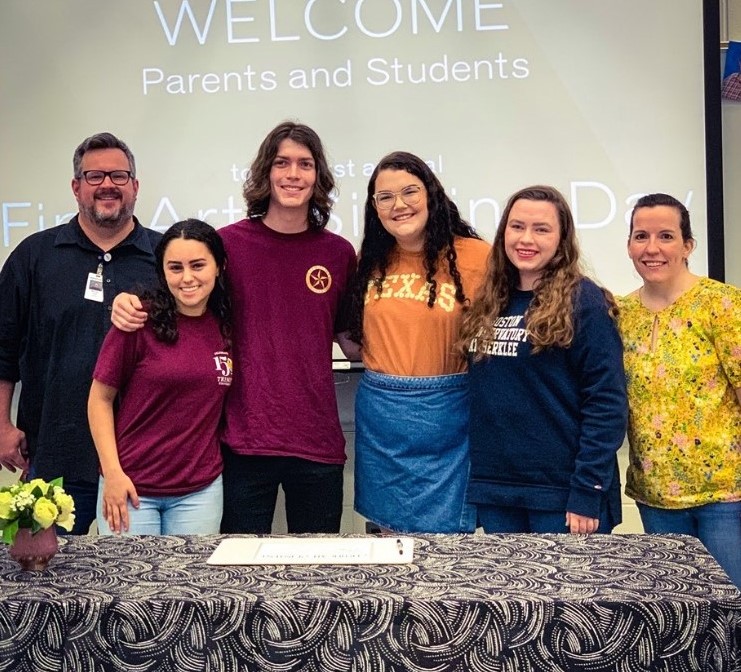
point(288, 277)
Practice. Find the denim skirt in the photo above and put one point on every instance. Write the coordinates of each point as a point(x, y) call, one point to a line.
point(411, 452)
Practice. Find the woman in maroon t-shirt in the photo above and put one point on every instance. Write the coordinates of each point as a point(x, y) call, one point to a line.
point(158, 446)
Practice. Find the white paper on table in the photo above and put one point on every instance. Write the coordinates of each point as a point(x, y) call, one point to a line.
point(313, 551)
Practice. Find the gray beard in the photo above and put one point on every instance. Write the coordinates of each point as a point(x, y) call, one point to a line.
point(109, 221)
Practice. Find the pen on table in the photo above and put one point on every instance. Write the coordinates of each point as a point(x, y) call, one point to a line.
point(400, 546)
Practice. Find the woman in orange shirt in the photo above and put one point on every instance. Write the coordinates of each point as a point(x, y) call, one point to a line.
point(420, 264)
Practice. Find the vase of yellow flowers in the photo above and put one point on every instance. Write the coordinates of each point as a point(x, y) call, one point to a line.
point(28, 515)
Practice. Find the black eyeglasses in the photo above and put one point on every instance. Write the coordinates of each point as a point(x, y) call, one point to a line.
point(96, 177)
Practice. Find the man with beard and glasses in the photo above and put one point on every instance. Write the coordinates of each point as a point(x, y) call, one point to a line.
point(56, 291)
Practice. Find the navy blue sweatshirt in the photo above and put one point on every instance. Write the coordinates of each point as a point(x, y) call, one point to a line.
point(545, 428)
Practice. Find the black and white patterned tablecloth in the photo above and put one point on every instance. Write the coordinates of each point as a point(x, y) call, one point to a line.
point(468, 603)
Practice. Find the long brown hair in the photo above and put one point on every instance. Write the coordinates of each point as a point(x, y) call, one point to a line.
point(256, 189)
point(550, 316)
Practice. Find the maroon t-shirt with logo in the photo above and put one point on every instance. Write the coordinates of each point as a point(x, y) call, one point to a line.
point(286, 290)
point(169, 404)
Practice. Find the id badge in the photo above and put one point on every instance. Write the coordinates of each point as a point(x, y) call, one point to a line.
point(94, 287)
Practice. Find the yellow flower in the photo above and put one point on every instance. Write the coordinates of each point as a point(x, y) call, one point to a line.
point(66, 521)
point(37, 483)
point(6, 499)
point(64, 502)
point(45, 512)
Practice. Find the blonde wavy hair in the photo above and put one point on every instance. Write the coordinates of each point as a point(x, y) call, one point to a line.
point(550, 316)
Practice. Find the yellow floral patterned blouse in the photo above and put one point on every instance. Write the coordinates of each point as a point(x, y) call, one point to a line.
point(685, 419)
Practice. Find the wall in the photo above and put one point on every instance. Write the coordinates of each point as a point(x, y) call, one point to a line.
point(732, 189)
point(731, 29)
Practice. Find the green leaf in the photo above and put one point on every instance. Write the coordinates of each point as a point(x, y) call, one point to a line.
point(10, 531)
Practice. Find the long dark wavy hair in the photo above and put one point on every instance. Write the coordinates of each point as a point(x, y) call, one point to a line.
point(550, 316)
point(256, 190)
point(444, 224)
point(161, 303)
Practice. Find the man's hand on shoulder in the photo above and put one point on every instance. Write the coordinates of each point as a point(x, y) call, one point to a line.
point(127, 313)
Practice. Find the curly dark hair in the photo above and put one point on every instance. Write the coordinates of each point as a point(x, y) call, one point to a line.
point(160, 303)
point(256, 190)
point(444, 224)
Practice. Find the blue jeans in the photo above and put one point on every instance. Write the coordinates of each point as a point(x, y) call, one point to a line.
point(717, 526)
point(313, 494)
point(506, 519)
point(195, 513)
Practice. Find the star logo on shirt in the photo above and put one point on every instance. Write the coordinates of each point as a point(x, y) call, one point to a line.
point(318, 279)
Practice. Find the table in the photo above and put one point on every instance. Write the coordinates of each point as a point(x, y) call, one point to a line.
point(507, 603)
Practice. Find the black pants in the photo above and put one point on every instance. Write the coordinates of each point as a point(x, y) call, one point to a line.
point(313, 493)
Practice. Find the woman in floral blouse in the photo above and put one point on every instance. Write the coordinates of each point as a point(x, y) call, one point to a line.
point(682, 339)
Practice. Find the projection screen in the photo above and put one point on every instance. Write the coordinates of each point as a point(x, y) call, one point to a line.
point(604, 100)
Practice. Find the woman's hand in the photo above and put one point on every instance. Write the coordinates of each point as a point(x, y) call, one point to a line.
point(117, 490)
point(581, 524)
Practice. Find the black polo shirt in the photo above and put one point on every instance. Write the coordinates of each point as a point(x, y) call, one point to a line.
point(50, 336)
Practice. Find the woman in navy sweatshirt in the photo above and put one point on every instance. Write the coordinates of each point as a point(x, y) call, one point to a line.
point(548, 399)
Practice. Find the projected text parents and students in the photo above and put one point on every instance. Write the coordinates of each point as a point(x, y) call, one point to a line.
point(378, 71)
